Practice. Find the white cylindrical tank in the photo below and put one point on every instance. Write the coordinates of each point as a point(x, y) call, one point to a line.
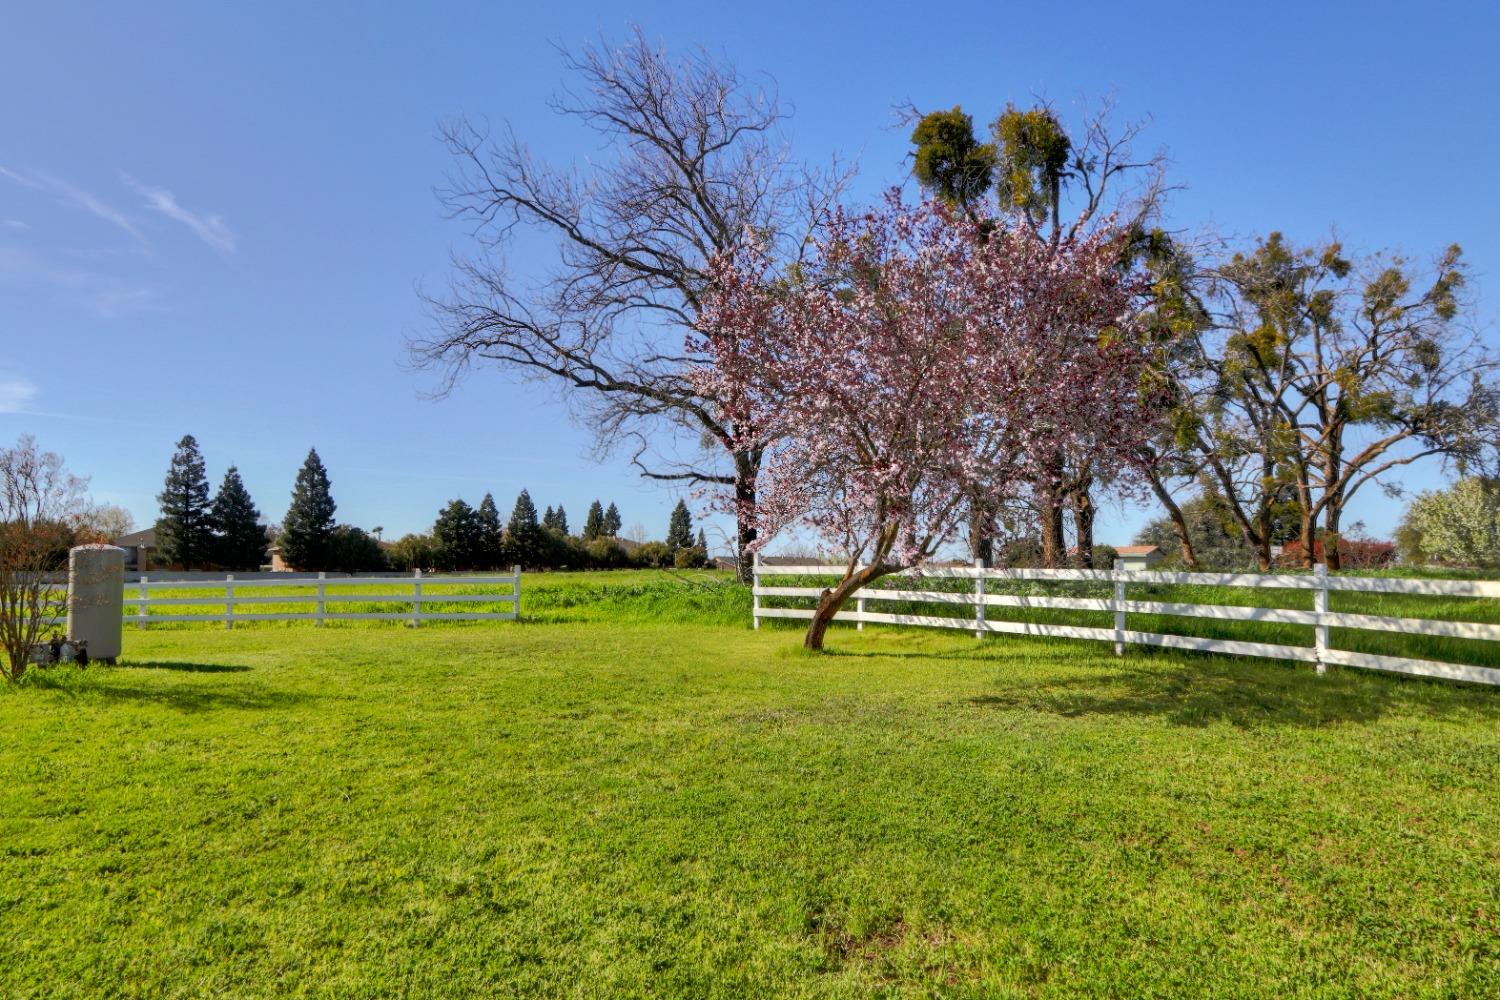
point(96, 598)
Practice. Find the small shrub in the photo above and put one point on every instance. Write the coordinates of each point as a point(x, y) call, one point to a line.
point(690, 558)
point(653, 555)
point(606, 553)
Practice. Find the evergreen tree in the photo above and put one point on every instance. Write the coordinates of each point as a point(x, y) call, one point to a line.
point(239, 537)
point(702, 541)
point(593, 524)
point(549, 519)
point(612, 523)
point(523, 536)
point(184, 532)
point(680, 529)
point(307, 531)
point(459, 535)
point(560, 521)
point(491, 534)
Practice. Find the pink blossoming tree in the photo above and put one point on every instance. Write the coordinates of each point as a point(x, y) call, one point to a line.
point(910, 369)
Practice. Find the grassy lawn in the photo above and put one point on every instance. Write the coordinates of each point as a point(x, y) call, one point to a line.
point(633, 794)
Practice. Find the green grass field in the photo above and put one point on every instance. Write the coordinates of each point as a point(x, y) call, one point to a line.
point(630, 793)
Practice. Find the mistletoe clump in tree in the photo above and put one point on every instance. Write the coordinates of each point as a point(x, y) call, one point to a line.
point(910, 369)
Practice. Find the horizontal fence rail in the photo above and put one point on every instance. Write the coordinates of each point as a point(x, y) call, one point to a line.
point(322, 595)
point(1320, 619)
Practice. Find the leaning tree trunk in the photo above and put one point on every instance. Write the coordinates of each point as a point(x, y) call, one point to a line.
point(1083, 526)
point(832, 601)
point(1179, 523)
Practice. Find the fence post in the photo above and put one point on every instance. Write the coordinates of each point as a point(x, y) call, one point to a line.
point(1320, 608)
point(416, 597)
point(229, 601)
point(321, 593)
point(859, 609)
point(141, 608)
point(979, 604)
point(1119, 607)
point(754, 587)
point(516, 604)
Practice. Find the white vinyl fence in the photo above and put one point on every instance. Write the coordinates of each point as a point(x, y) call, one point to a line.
point(1320, 583)
point(325, 598)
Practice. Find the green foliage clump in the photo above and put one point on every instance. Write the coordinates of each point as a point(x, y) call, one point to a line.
point(413, 552)
point(353, 550)
point(949, 161)
point(1033, 152)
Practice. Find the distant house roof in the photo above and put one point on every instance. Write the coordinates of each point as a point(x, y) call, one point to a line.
point(145, 538)
point(1137, 550)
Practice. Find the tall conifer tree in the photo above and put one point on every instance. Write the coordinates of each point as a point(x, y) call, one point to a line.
point(492, 535)
point(307, 530)
point(680, 529)
point(239, 537)
point(593, 524)
point(612, 523)
point(184, 532)
point(523, 536)
point(459, 535)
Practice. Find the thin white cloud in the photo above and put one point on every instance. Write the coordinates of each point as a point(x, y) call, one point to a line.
point(75, 196)
point(17, 224)
point(15, 393)
point(103, 294)
point(211, 229)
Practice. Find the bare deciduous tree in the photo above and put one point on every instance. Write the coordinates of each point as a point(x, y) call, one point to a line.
point(40, 503)
point(695, 165)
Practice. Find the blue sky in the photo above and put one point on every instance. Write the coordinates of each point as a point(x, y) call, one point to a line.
point(214, 219)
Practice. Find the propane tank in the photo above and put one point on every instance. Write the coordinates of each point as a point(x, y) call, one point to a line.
point(96, 599)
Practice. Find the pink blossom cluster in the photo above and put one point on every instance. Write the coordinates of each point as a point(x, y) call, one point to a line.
point(915, 365)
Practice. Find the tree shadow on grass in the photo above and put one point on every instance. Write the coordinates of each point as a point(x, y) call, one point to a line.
point(198, 698)
point(197, 668)
point(1200, 690)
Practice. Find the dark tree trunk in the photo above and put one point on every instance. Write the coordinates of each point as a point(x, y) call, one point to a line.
point(833, 600)
point(1083, 526)
point(1054, 546)
point(981, 542)
point(1332, 557)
